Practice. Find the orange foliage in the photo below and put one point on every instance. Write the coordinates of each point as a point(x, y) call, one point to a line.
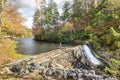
point(67, 26)
point(37, 30)
point(70, 26)
point(4, 52)
point(12, 22)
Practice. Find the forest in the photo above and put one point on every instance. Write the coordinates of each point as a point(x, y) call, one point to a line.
point(94, 22)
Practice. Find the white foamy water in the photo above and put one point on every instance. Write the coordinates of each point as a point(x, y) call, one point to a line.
point(88, 52)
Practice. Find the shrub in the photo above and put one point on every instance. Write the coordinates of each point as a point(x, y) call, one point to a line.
point(8, 51)
point(114, 68)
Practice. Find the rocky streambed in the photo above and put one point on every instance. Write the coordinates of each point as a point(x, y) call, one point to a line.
point(60, 64)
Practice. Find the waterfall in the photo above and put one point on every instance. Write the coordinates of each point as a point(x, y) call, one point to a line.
point(88, 52)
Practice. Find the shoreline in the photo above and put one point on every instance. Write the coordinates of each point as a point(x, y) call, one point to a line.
point(61, 63)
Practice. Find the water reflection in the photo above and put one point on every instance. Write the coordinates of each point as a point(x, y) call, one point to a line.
point(29, 46)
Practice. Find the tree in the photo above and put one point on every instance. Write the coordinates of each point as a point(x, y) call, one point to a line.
point(0, 14)
point(52, 13)
point(39, 14)
point(81, 13)
point(66, 12)
point(2, 2)
point(12, 20)
point(47, 15)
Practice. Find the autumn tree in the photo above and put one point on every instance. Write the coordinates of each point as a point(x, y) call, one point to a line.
point(12, 20)
point(2, 4)
point(0, 15)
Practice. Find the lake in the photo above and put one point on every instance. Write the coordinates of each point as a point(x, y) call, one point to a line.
point(29, 46)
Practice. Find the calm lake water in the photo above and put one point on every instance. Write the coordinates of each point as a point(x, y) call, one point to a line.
point(29, 46)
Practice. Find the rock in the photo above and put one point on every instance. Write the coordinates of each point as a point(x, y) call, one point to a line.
point(71, 75)
point(2, 72)
point(60, 79)
point(105, 76)
point(49, 72)
point(110, 78)
point(80, 79)
point(59, 66)
point(89, 77)
point(76, 54)
point(91, 72)
point(16, 68)
point(41, 67)
point(50, 65)
point(85, 72)
point(56, 68)
point(44, 71)
point(57, 73)
point(44, 76)
point(6, 70)
point(79, 72)
point(97, 77)
point(32, 66)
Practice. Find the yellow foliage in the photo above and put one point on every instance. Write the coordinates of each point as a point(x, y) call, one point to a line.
point(8, 51)
point(88, 28)
point(12, 23)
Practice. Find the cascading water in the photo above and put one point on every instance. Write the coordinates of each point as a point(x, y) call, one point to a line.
point(88, 52)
